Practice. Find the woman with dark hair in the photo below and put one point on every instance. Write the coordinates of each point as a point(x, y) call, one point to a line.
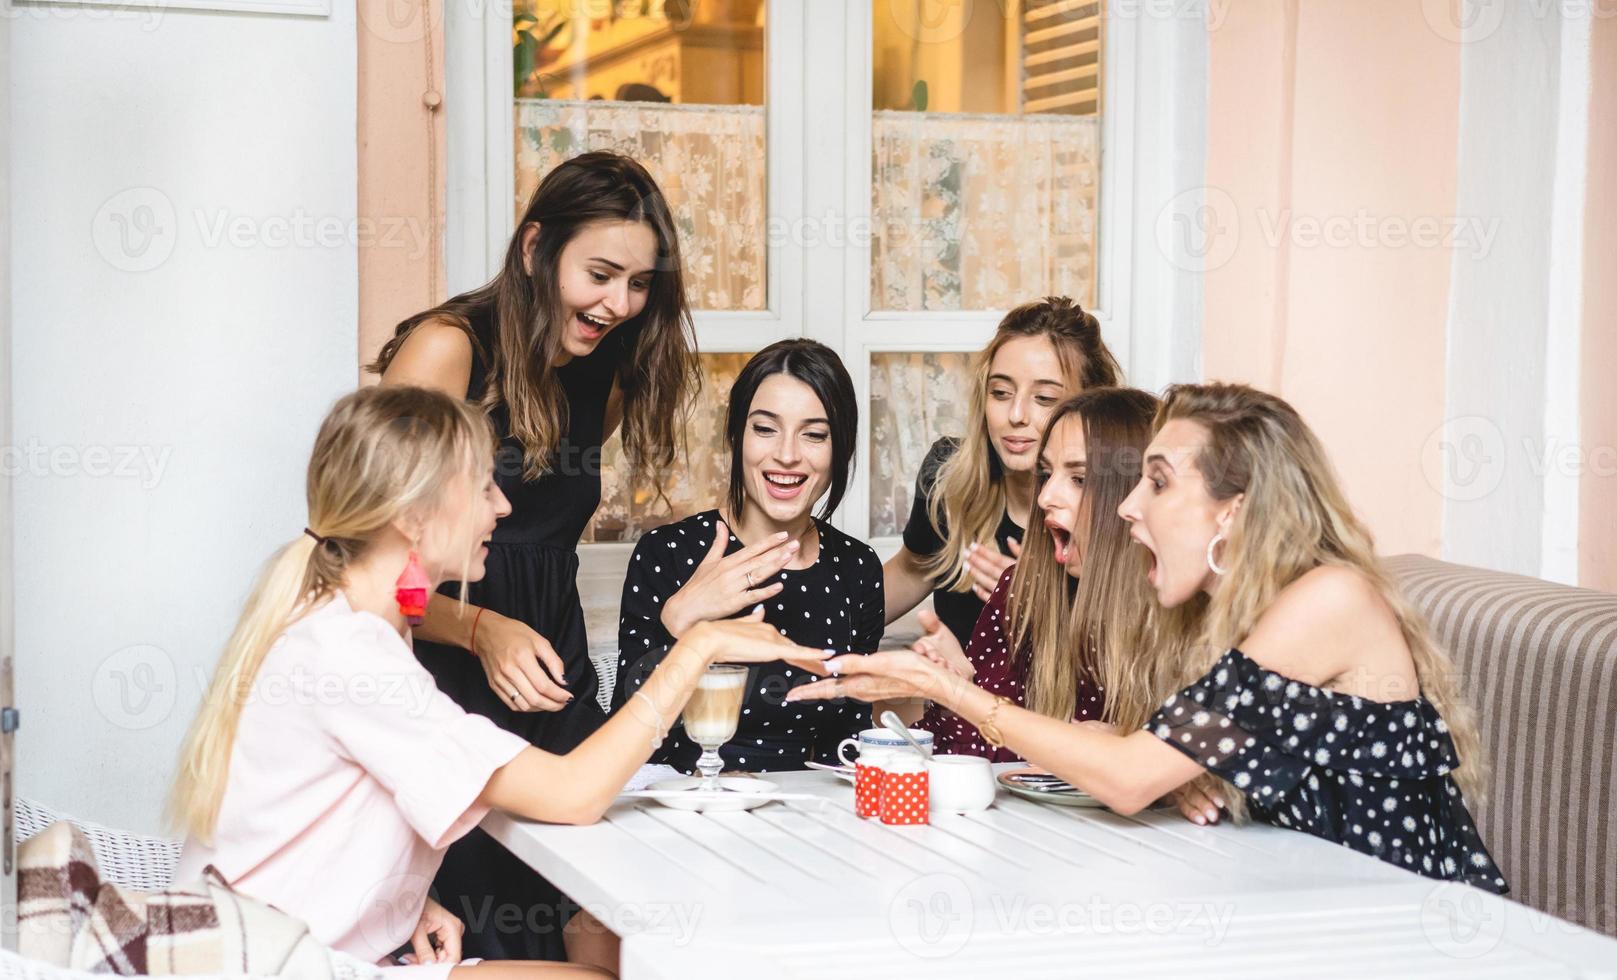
point(791, 428)
point(585, 327)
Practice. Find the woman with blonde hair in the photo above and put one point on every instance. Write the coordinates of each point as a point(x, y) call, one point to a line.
point(325, 772)
point(974, 495)
point(1061, 628)
point(1310, 685)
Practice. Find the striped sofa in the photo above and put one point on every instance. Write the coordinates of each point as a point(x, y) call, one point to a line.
point(1539, 664)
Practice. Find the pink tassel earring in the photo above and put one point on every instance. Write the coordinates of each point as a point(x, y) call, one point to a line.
point(412, 588)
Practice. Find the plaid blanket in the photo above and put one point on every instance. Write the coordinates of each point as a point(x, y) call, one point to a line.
point(68, 916)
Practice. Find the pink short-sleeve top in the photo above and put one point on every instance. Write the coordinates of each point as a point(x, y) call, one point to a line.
point(350, 774)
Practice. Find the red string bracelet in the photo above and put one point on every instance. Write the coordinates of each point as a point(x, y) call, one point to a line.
point(471, 647)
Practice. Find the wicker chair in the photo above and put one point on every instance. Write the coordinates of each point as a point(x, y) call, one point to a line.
point(130, 861)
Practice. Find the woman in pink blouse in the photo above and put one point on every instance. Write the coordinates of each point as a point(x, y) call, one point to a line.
point(325, 773)
point(1078, 578)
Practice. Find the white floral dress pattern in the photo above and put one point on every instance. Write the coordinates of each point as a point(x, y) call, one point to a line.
point(1374, 776)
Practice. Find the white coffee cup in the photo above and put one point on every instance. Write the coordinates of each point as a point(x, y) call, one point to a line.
point(960, 783)
point(879, 739)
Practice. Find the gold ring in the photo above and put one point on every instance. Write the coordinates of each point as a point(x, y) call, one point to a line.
point(748, 574)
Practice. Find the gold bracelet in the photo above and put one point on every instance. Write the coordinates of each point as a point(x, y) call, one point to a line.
point(989, 730)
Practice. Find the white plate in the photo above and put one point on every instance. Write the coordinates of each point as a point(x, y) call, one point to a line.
point(736, 793)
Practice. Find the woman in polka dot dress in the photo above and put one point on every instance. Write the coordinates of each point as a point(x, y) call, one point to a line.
point(1319, 693)
point(791, 429)
point(1087, 462)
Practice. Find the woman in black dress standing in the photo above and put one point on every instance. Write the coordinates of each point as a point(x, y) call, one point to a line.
point(585, 326)
point(791, 429)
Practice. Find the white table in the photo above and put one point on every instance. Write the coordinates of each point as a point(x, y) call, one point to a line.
point(797, 889)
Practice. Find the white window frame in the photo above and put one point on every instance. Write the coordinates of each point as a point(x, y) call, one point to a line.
point(1153, 126)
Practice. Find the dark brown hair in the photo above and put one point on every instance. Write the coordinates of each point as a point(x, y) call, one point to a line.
point(658, 372)
point(819, 367)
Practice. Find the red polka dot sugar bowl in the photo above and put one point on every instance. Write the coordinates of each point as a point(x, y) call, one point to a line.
point(875, 747)
point(904, 790)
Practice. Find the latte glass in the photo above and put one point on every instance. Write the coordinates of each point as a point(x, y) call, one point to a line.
point(711, 715)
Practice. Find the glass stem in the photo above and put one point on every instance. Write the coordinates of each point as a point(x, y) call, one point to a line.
point(710, 765)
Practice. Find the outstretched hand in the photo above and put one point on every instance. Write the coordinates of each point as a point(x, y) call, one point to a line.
point(886, 676)
point(941, 647)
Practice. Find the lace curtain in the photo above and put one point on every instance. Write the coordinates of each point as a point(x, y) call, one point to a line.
point(914, 399)
point(976, 212)
point(708, 160)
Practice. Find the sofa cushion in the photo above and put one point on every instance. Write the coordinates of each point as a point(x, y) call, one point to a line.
point(1539, 664)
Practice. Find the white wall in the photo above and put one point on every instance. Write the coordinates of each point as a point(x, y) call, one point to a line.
point(1514, 319)
point(134, 135)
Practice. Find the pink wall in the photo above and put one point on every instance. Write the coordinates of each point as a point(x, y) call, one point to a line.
point(1597, 519)
point(1320, 113)
point(401, 165)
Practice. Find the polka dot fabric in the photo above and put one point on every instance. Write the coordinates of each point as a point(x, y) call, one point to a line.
point(1373, 776)
point(836, 603)
point(999, 673)
point(904, 798)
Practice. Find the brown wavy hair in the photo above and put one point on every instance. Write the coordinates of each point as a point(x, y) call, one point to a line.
point(658, 374)
point(969, 495)
point(1097, 630)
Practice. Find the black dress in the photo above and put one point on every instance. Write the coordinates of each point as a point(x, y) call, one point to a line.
point(836, 603)
point(532, 572)
point(957, 610)
point(1374, 776)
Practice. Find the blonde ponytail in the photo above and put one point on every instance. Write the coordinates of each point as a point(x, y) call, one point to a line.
point(381, 453)
point(282, 591)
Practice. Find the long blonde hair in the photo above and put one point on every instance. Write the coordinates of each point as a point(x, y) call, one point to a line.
point(1095, 630)
point(968, 498)
point(1293, 519)
point(382, 452)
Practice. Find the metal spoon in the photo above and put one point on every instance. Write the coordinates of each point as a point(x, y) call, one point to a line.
point(897, 727)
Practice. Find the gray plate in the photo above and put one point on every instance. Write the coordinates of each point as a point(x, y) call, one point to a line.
point(1074, 797)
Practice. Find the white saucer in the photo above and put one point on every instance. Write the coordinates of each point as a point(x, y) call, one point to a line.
point(736, 793)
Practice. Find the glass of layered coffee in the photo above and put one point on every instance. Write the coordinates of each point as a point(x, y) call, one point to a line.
point(711, 714)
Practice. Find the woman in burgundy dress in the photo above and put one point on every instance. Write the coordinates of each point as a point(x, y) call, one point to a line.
point(1079, 578)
